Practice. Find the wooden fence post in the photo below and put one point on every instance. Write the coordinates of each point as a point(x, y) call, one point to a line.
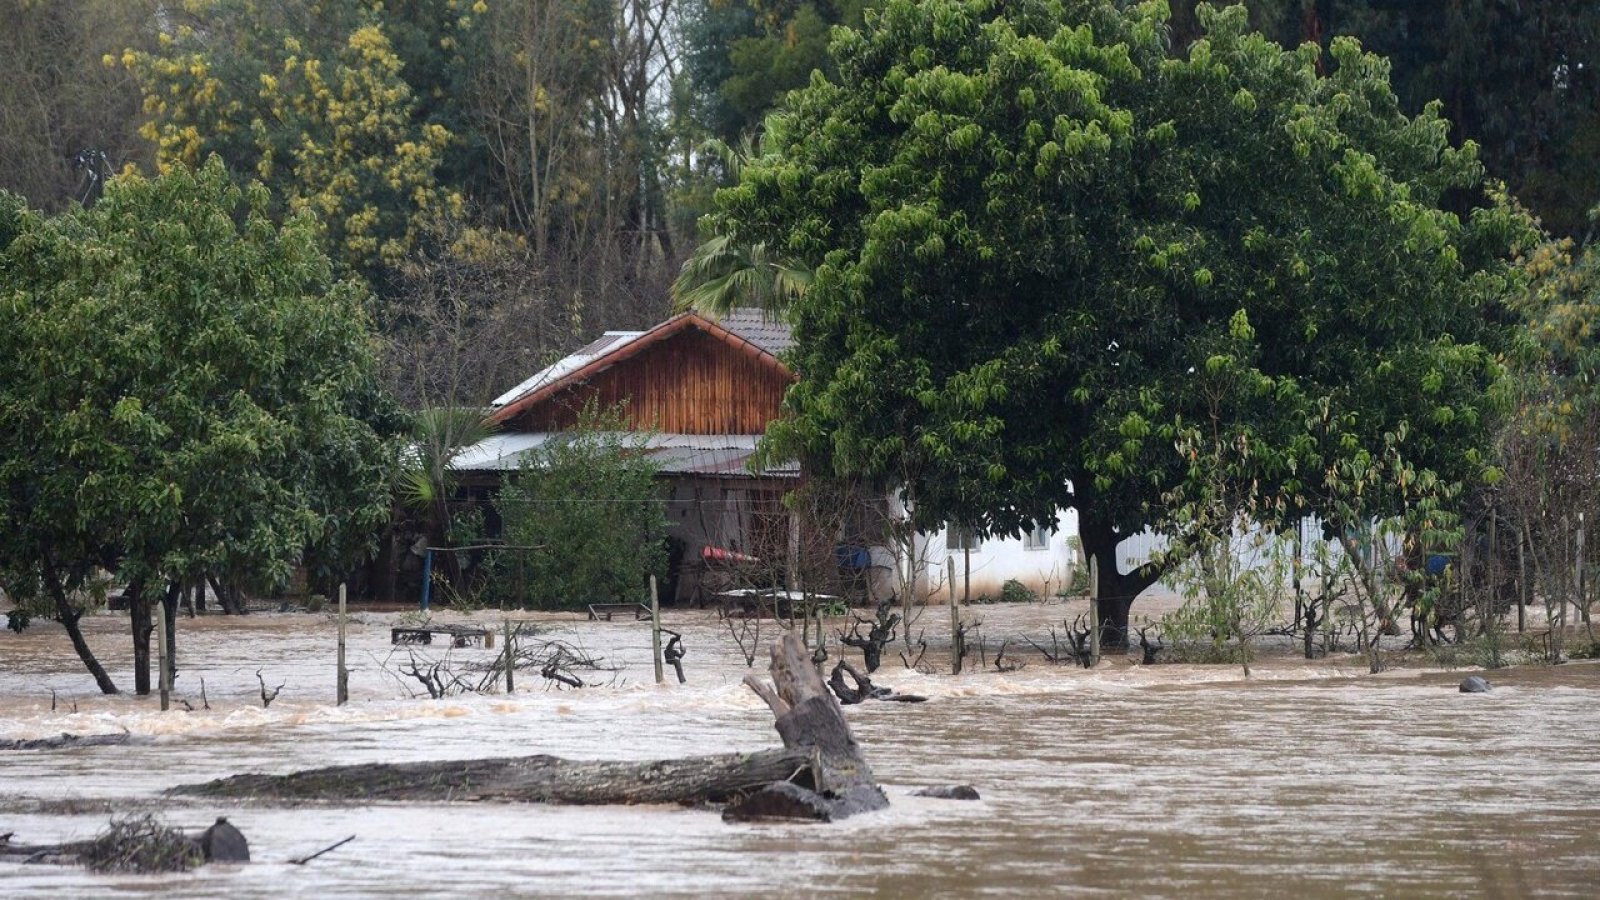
point(342, 684)
point(163, 684)
point(1094, 611)
point(655, 632)
point(511, 657)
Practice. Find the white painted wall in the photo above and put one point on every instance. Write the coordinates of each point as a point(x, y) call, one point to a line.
point(1045, 570)
point(1049, 570)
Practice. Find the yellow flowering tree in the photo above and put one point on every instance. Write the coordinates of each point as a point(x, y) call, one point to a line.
point(308, 97)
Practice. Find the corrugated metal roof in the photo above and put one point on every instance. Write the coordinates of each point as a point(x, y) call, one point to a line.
point(717, 455)
point(606, 343)
point(760, 328)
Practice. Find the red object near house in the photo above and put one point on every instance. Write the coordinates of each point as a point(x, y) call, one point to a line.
point(719, 554)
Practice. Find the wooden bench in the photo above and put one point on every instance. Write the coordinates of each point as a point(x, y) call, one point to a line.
point(460, 635)
point(598, 611)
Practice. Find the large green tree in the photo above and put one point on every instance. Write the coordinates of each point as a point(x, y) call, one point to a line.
point(1520, 79)
point(185, 390)
point(1041, 239)
point(742, 56)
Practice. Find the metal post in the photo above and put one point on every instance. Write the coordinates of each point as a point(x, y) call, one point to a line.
point(655, 632)
point(427, 578)
point(164, 685)
point(342, 685)
point(1094, 611)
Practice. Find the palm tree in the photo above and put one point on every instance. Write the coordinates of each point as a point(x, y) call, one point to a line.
point(726, 273)
point(441, 433)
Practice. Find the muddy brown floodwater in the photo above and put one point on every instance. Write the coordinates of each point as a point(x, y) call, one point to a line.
point(1309, 780)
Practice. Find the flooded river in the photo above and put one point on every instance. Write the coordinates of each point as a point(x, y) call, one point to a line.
point(1309, 780)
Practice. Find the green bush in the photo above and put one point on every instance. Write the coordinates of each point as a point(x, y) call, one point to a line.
point(584, 520)
point(1014, 591)
point(1590, 650)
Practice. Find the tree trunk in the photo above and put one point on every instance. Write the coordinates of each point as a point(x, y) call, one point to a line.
point(818, 775)
point(142, 625)
point(441, 514)
point(68, 617)
point(170, 601)
point(385, 567)
point(69, 620)
point(524, 779)
point(229, 599)
point(1115, 590)
point(809, 719)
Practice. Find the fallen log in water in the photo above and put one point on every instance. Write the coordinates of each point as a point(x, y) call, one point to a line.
point(67, 741)
point(819, 773)
point(520, 779)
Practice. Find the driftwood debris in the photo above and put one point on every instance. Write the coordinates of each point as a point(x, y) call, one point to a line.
point(68, 741)
point(864, 689)
point(138, 844)
point(948, 792)
point(302, 860)
point(818, 774)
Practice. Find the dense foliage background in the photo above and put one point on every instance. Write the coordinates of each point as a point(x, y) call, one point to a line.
point(548, 154)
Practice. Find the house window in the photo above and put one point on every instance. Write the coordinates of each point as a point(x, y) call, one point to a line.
point(1038, 538)
point(961, 537)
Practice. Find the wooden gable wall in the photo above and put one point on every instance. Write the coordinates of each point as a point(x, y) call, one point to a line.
point(689, 383)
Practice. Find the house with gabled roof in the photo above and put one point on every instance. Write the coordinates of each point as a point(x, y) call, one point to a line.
point(701, 391)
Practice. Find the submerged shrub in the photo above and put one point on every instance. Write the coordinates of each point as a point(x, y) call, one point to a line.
point(142, 843)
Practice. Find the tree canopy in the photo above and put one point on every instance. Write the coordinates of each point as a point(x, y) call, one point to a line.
point(184, 390)
point(1044, 245)
point(561, 143)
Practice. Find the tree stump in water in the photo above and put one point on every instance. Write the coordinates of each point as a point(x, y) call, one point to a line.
point(817, 775)
point(809, 719)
